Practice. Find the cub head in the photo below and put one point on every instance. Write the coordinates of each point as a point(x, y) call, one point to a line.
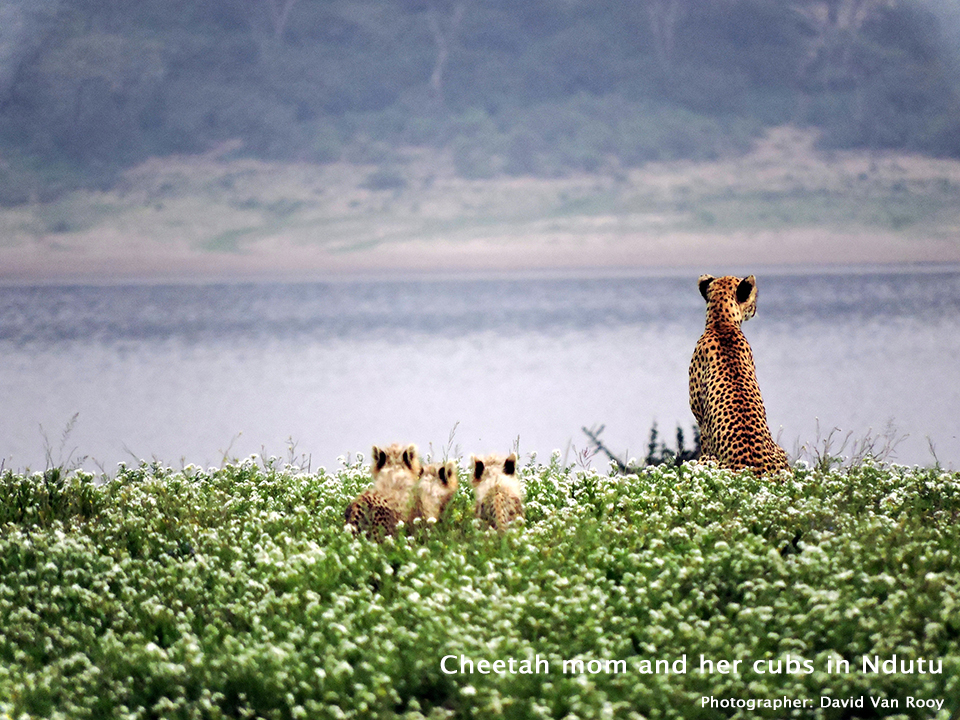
point(445, 474)
point(396, 456)
point(729, 298)
point(440, 480)
point(492, 465)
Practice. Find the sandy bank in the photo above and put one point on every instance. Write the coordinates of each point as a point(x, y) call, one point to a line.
point(280, 259)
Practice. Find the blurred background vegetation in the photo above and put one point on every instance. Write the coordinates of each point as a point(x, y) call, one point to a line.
point(540, 88)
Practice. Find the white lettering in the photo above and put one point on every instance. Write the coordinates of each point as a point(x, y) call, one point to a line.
point(680, 666)
point(924, 703)
point(891, 666)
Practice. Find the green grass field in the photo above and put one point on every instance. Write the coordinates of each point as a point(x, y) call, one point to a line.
point(237, 593)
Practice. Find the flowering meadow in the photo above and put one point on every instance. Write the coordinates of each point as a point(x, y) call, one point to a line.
point(679, 592)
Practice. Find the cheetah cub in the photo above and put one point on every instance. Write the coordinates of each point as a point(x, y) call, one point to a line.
point(438, 484)
point(724, 394)
point(395, 471)
point(498, 490)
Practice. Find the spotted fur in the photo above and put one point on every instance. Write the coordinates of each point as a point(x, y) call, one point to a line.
point(378, 510)
point(498, 490)
point(724, 394)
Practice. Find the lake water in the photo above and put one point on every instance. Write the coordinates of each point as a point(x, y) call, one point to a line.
point(194, 373)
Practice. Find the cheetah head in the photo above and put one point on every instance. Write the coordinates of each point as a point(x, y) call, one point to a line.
point(396, 456)
point(729, 298)
point(484, 468)
point(440, 480)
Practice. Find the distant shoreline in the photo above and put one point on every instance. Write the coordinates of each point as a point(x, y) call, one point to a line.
point(813, 251)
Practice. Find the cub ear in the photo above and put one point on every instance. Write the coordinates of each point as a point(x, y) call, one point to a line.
point(510, 464)
point(409, 456)
point(446, 473)
point(747, 289)
point(705, 281)
point(477, 468)
point(379, 458)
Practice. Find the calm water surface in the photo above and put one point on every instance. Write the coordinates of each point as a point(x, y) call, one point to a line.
point(194, 373)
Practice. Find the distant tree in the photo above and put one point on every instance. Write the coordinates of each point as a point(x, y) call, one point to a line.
point(836, 38)
point(23, 25)
point(268, 16)
point(878, 75)
point(443, 18)
point(91, 94)
point(663, 17)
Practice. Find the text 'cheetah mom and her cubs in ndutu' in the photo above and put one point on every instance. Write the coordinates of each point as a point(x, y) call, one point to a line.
point(724, 397)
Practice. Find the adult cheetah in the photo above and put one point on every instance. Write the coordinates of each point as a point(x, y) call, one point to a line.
point(724, 394)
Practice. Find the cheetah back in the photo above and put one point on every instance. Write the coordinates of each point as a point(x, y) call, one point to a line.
point(499, 508)
point(372, 514)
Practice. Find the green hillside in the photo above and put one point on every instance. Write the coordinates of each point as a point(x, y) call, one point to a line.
point(536, 88)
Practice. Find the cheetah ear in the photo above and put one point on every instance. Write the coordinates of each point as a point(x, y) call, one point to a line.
point(705, 281)
point(746, 290)
point(510, 464)
point(477, 468)
point(409, 455)
point(379, 458)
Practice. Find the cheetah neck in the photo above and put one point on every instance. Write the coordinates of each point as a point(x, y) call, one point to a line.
point(501, 483)
point(396, 481)
point(723, 315)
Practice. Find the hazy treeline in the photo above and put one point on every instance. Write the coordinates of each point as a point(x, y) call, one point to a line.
point(539, 87)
